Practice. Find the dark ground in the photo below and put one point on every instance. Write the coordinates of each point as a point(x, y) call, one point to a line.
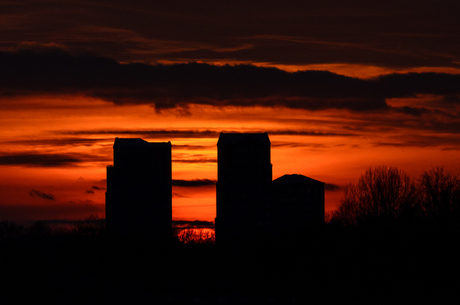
point(328, 267)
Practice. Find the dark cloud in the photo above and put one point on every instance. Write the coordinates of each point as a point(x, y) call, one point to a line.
point(174, 194)
point(172, 134)
point(196, 160)
point(310, 133)
point(52, 210)
point(35, 193)
point(192, 224)
point(451, 141)
point(332, 187)
point(58, 142)
point(415, 111)
point(387, 131)
point(290, 144)
point(400, 85)
point(385, 33)
point(36, 159)
point(191, 147)
point(47, 160)
point(152, 133)
point(193, 182)
point(97, 188)
point(452, 99)
point(89, 191)
point(178, 86)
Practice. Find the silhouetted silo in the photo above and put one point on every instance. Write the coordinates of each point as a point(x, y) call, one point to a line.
point(243, 179)
point(139, 190)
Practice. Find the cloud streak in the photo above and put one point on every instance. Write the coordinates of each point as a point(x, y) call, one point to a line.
point(192, 224)
point(332, 187)
point(197, 160)
point(193, 182)
point(205, 133)
point(35, 193)
point(47, 160)
point(59, 142)
point(51, 210)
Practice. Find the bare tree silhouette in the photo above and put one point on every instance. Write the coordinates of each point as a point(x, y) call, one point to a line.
point(440, 196)
point(381, 197)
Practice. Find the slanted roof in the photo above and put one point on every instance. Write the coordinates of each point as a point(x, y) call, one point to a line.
point(232, 138)
point(295, 178)
point(136, 142)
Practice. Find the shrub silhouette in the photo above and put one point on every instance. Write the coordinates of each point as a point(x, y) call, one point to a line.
point(40, 229)
point(196, 236)
point(10, 229)
point(93, 225)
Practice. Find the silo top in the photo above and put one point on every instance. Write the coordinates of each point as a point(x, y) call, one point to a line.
point(137, 142)
point(140, 154)
point(233, 138)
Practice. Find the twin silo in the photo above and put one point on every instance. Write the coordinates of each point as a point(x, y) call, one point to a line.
point(248, 202)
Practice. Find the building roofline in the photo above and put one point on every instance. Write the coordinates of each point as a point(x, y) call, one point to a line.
point(295, 178)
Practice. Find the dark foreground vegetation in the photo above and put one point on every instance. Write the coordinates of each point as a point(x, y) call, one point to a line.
point(394, 259)
point(387, 198)
point(332, 265)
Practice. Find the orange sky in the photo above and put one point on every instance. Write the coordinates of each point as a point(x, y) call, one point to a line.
point(331, 146)
point(338, 89)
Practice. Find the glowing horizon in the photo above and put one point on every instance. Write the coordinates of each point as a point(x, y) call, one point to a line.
point(66, 158)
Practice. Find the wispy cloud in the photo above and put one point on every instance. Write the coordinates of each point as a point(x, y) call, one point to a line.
point(175, 194)
point(52, 209)
point(35, 193)
point(332, 187)
point(74, 141)
point(36, 159)
point(196, 160)
point(152, 133)
point(192, 224)
point(205, 133)
point(48, 159)
point(193, 182)
point(451, 141)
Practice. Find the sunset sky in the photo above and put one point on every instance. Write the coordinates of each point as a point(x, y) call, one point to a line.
point(338, 85)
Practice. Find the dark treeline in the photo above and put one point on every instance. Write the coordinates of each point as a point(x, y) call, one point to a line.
point(387, 198)
point(393, 240)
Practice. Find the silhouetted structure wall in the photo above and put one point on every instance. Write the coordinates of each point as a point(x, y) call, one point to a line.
point(139, 188)
point(243, 179)
point(297, 203)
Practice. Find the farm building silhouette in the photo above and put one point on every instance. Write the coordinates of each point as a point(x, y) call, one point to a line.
point(248, 202)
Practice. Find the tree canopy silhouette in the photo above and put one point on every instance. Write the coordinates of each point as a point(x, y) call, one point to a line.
point(440, 197)
point(383, 196)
